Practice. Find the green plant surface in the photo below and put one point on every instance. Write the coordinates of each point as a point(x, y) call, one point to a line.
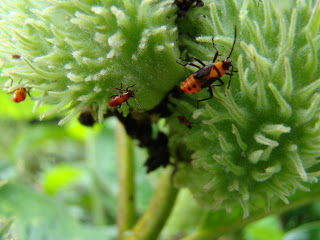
point(11, 110)
point(182, 222)
point(252, 150)
point(6, 230)
point(40, 155)
point(126, 214)
point(258, 140)
point(59, 176)
point(36, 215)
point(267, 228)
point(307, 231)
point(75, 53)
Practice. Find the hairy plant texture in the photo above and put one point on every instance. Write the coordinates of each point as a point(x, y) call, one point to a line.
point(77, 52)
point(252, 143)
point(260, 140)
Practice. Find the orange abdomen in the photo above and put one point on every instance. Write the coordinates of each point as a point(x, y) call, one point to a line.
point(191, 85)
point(116, 101)
point(19, 95)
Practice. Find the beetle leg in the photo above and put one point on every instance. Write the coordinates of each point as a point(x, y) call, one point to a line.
point(120, 90)
point(137, 102)
point(188, 63)
point(217, 52)
point(197, 59)
point(231, 74)
point(210, 90)
point(28, 91)
point(211, 96)
point(221, 83)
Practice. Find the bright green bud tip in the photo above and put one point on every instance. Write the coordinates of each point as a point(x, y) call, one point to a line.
point(259, 141)
point(77, 52)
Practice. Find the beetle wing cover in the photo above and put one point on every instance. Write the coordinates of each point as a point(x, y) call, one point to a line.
point(203, 72)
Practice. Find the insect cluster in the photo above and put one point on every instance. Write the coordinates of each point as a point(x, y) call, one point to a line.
point(207, 76)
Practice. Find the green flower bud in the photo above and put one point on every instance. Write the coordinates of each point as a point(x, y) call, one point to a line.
point(259, 140)
point(77, 52)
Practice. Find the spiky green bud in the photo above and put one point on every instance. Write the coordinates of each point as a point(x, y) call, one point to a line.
point(77, 52)
point(258, 141)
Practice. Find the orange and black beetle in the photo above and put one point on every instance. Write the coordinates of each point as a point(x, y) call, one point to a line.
point(208, 74)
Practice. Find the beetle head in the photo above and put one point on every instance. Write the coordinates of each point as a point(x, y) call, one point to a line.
point(226, 64)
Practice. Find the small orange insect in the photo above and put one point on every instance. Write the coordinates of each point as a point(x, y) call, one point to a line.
point(19, 94)
point(208, 74)
point(125, 94)
point(15, 56)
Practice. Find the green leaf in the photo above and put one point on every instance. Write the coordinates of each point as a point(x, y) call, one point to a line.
point(309, 231)
point(5, 229)
point(60, 176)
point(37, 216)
point(180, 222)
point(10, 109)
point(264, 229)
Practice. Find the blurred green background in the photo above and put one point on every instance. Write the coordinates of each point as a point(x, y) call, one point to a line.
point(60, 182)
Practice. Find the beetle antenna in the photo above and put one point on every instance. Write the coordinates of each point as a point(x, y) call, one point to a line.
point(137, 102)
point(28, 91)
point(234, 42)
point(131, 86)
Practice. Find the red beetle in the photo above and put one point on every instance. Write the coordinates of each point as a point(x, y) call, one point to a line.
point(125, 94)
point(208, 74)
point(19, 94)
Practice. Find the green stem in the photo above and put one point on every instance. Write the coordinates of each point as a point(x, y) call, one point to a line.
point(215, 232)
point(96, 203)
point(126, 214)
point(5, 227)
point(155, 216)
